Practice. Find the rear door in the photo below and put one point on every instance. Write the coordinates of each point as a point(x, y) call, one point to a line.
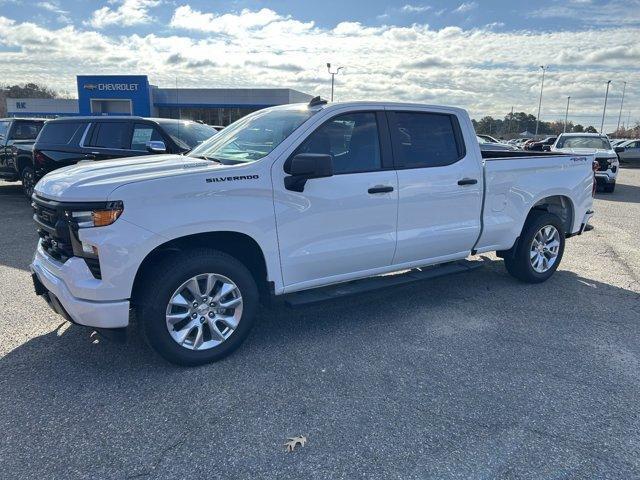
point(344, 225)
point(108, 139)
point(440, 181)
point(631, 152)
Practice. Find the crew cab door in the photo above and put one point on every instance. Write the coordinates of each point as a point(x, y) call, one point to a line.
point(343, 225)
point(440, 182)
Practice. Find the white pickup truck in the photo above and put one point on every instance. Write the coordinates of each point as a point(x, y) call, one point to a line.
point(293, 199)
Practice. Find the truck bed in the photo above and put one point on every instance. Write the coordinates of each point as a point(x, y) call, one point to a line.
point(512, 189)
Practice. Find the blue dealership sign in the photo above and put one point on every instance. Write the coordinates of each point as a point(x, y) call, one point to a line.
point(109, 94)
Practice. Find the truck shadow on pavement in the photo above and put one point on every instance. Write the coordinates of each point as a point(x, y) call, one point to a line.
point(623, 193)
point(18, 228)
point(469, 360)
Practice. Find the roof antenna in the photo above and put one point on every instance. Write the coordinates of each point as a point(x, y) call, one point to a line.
point(315, 101)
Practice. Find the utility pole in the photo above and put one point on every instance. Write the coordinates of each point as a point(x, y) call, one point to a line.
point(333, 75)
point(544, 69)
point(566, 115)
point(510, 120)
point(624, 87)
point(604, 110)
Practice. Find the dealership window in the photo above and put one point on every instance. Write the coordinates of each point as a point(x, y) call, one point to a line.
point(212, 116)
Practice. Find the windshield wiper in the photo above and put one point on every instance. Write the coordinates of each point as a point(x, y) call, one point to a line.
point(204, 157)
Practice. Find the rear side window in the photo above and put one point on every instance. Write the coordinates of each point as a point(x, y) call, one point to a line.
point(425, 139)
point(26, 130)
point(142, 134)
point(60, 133)
point(110, 135)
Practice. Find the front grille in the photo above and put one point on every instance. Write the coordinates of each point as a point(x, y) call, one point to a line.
point(603, 164)
point(58, 233)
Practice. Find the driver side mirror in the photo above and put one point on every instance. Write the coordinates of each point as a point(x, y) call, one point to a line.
point(156, 146)
point(619, 149)
point(306, 166)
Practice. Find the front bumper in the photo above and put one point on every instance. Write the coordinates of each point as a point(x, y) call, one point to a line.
point(605, 177)
point(53, 287)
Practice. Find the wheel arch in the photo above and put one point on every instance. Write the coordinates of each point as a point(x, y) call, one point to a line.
point(559, 205)
point(239, 245)
point(23, 161)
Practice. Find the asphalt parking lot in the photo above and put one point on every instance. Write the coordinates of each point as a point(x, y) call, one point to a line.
point(470, 376)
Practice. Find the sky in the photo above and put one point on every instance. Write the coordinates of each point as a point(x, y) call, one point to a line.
point(482, 55)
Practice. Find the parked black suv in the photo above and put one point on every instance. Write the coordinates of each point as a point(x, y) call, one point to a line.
point(65, 141)
point(16, 144)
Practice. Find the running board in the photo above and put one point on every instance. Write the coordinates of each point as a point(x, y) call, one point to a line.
point(315, 295)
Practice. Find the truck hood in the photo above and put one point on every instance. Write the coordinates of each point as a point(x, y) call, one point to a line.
point(599, 153)
point(95, 180)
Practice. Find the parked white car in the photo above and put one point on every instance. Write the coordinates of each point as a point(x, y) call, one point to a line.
point(288, 201)
point(599, 146)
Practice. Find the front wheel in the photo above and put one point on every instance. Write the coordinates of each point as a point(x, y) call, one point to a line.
point(198, 306)
point(539, 250)
point(28, 179)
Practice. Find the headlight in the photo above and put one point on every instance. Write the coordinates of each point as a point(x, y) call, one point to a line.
point(100, 217)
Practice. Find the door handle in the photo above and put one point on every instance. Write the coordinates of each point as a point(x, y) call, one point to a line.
point(380, 189)
point(467, 181)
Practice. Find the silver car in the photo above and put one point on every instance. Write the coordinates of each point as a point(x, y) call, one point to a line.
point(629, 151)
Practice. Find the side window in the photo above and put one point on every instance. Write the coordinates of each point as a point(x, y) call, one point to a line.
point(352, 141)
point(110, 135)
point(426, 139)
point(142, 134)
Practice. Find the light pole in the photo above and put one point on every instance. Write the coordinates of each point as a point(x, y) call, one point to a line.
point(624, 87)
point(566, 115)
point(544, 69)
point(604, 110)
point(333, 75)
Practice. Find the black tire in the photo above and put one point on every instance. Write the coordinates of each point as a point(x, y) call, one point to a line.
point(161, 281)
point(609, 187)
point(518, 261)
point(28, 179)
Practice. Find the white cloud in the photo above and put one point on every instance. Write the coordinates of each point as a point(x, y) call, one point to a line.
point(615, 12)
point(466, 7)
point(54, 7)
point(128, 12)
point(232, 24)
point(482, 69)
point(415, 8)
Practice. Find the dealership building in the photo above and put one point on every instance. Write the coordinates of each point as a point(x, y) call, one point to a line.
point(134, 95)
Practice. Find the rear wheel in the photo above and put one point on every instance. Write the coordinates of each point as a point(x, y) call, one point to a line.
point(28, 179)
point(198, 306)
point(539, 250)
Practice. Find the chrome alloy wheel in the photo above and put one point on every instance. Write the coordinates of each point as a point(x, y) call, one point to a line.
point(544, 248)
point(204, 311)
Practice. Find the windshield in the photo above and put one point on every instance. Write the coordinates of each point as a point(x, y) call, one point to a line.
point(584, 142)
point(188, 135)
point(254, 136)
